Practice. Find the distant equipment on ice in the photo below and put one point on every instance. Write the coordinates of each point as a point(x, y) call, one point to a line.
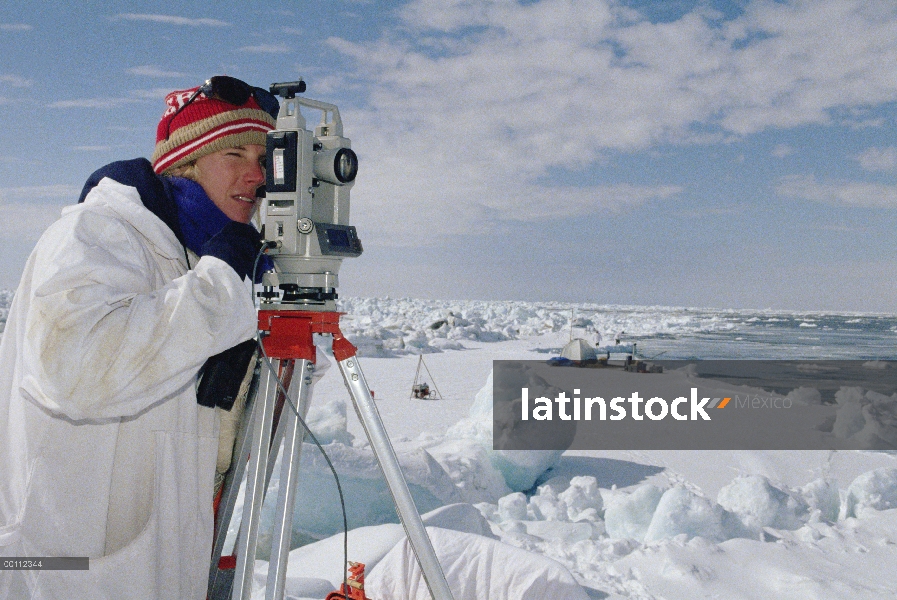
point(420, 388)
point(579, 351)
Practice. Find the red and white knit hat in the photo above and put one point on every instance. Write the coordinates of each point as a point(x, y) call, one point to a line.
point(206, 125)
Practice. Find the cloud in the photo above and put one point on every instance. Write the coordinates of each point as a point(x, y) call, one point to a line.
point(782, 150)
point(23, 224)
point(795, 63)
point(640, 82)
point(712, 211)
point(31, 193)
point(267, 49)
point(92, 148)
point(153, 71)
point(470, 107)
point(859, 194)
point(16, 81)
point(15, 27)
point(153, 94)
point(833, 227)
point(93, 103)
point(25, 212)
point(173, 20)
point(882, 160)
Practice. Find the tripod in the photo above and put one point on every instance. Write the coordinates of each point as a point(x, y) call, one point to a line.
point(267, 424)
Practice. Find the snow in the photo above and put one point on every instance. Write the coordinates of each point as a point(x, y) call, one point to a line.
point(758, 503)
point(610, 524)
point(633, 524)
point(629, 515)
point(869, 418)
point(875, 490)
point(683, 512)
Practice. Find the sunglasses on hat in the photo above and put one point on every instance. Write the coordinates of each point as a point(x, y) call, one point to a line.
point(233, 91)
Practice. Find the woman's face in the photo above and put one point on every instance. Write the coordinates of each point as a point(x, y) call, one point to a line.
point(230, 177)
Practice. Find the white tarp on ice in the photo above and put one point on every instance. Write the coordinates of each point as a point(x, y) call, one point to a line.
point(319, 566)
point(477, 568)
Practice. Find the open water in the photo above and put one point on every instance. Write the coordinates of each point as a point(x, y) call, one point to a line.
point(776, 335)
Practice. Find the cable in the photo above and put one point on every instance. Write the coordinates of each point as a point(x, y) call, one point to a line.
point(289, 401)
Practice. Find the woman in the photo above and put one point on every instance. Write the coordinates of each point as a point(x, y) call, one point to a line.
point(105, 451)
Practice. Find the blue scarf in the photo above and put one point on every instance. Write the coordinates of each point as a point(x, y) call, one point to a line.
point(200, 218)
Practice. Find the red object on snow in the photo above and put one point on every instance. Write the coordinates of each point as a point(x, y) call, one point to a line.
point(356, 585)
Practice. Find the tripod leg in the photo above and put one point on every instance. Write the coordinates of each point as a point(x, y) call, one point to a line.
point(293, 436)
point(285, 371)
point(220, 581)
point(263, 413)
point(395, 480)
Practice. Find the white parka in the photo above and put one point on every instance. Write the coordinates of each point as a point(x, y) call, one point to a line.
point(104, 451)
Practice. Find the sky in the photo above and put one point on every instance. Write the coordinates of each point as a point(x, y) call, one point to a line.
point(686, 153)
